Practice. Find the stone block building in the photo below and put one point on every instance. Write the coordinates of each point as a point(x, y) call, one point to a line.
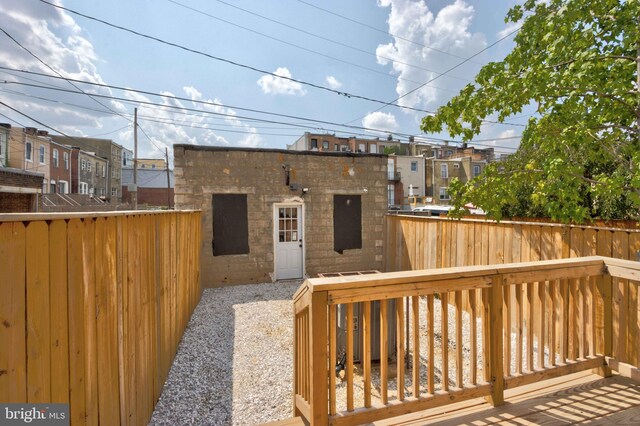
point(273, 214)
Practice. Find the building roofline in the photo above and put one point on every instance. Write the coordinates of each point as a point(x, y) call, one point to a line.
point(21, 172)
point(275, 150)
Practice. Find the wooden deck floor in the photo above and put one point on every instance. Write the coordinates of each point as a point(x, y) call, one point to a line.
point(581, 398)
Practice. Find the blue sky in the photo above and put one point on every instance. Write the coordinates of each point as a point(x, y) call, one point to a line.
point(377, 50)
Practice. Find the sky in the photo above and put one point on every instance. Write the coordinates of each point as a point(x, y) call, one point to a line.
point(209, 72)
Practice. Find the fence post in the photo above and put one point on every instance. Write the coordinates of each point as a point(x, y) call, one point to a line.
point(318, 340)
point(492, 340)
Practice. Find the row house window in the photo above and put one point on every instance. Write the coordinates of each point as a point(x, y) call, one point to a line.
point(28, 151)
point(444, 171)
point(65, 156)
point(444, 194)
point(84, 188)
point(83, 165)
point(55, 158)
point(476, 170)
point(88, 166)
point(42, 154)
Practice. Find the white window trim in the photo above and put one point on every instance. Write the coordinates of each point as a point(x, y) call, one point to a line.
point(27, 157)
point(42, 154)
point(65, 156)
point(444, 171)
point(446, 196)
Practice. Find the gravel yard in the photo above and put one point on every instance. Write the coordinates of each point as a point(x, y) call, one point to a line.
point(234, 365)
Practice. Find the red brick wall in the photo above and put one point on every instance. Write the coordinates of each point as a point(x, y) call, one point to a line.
point(9, 178)
point(15, 203)
point(156, 197)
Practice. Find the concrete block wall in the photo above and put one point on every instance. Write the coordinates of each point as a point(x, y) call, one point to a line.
point(202, 171)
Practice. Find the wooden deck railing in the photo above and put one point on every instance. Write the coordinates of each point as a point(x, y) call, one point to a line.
point(472, 331)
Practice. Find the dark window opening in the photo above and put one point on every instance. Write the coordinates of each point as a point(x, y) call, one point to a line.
point(347, 222)
point(230, 224)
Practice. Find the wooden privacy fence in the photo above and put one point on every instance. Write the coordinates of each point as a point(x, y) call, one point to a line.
point(421, 242)
point(527, 322)
point(93, 307)
point(413, 243)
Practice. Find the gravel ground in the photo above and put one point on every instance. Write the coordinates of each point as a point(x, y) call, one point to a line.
point(234, 365)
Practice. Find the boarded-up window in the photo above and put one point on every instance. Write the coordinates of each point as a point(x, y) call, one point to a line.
point(230, 224)
point(347, 222)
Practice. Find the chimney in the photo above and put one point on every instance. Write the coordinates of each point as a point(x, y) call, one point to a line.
point(31, 130)
point(5, 125)
point(43, 133)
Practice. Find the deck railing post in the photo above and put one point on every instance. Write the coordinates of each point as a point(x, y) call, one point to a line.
point(492, 336)
point(318, 354)
point(604, 321)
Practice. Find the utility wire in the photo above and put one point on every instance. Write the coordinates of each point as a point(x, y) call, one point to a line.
point(228, 61)
point(379, 30)
point(59, 74)
point(317, 86)
point(393, 102)
point(181, 98)
point(193, 9)
point(234, 116)
point(35, 121)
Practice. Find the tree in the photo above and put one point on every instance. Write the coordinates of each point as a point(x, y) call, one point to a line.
point(577, 62)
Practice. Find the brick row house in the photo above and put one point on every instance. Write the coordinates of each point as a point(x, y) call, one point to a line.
point(415, 170)
point(71, 172)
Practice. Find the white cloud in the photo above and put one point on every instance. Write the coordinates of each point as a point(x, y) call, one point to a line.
point(384, 122)
point(333, 82)
point(448, 31)
point(55, 38)
point(281, 86)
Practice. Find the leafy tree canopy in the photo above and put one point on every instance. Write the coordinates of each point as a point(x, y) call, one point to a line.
point(577, 62)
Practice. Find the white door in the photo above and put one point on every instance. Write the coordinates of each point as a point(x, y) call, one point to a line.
point(288, 236)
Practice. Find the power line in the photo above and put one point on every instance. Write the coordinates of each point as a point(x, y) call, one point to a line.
point(228, 61)
point(204, 111)
point(35, 121)
point(379, 30)
point(193, 9)
point(55, 71)
point(393, 102)
point(207, 103)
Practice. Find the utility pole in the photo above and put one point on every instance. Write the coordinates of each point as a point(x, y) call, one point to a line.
point(166, 156)
point(135, 159)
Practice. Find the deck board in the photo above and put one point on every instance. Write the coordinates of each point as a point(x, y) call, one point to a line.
point(577, 398)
